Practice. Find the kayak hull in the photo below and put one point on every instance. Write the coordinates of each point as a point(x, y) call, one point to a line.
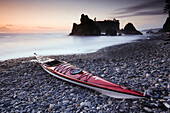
point(88, 80)
point(103, 91)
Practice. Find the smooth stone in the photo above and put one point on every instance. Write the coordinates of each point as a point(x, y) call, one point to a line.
point(72, 94)
point(102, 75)
point(65, 101)
point(51, 106)
point(85, 104)
point(72, 90)
point(147, 75)
point(109, 102)
point(166, 97)
point(98, 108)
point(166, 104)
point(148, 109)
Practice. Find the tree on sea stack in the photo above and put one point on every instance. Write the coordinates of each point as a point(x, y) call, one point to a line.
point(166, 26)
point(167, 6)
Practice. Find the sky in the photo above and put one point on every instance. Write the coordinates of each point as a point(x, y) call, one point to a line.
point(54, 16)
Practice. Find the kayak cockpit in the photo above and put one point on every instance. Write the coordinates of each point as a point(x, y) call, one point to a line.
point(52, 63)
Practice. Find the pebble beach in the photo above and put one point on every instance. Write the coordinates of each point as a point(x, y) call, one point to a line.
point(142, 66)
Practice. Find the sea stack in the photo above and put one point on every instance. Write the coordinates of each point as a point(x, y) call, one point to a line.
point(87, 27)
point(166, 26)
point(130, 29)
point(108, 27)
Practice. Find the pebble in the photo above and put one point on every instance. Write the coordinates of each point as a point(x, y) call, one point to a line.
point(167, 97)
point(147, 109)
point(166, 104)
point(109, 102)
point(51, 106)
point(148, 75)
point(72, 94)
point(102, 75)
point(65, 102)
point(142, 66)
point(85, 104)
point(98, 108)
point(72, 90)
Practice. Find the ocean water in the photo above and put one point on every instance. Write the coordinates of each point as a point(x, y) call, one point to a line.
point(15, 45)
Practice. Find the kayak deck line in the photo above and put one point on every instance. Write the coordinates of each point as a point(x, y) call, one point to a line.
point(72, 74)
point(65, 68)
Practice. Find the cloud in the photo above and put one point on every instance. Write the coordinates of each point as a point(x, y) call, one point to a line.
point(4, 29)
point(45, 27)
point(143, 13)
point(154, 7)
point(9, 25)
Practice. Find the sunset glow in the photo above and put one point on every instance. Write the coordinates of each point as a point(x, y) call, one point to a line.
point(59, 15)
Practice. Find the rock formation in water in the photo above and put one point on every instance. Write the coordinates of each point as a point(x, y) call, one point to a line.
point(130, 29)
point(87, 27)
point(111, 32)
point(108, 27)
point(166, 26)
point(150, 32)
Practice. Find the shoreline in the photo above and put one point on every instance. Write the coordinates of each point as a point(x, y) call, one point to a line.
point(140, 65)
point(73, 45)
point(96, 52)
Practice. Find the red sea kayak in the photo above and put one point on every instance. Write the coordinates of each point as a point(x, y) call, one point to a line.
point(72, 74)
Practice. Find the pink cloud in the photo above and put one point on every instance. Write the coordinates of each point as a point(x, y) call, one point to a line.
point(4, 29)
